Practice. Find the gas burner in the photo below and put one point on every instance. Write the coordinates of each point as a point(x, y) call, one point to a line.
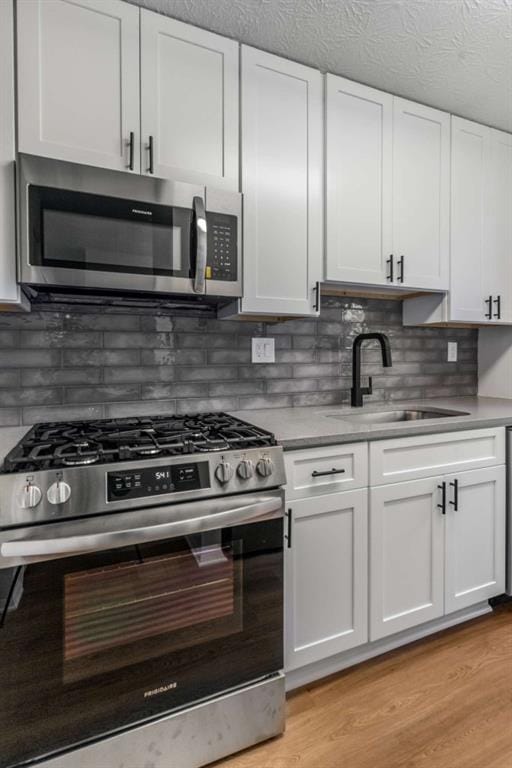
point(78, 454)
point(80, 461)
point(149, 451)
point(81, 443)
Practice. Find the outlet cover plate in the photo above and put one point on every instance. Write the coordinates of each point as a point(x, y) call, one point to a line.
point(263, 350)
point(452, 351)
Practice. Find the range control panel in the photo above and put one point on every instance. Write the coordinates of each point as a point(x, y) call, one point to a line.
point(222, 246)
point(155, 481)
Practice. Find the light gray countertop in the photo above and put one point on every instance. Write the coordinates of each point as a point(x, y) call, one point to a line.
point(306, 427)
point(311, 426)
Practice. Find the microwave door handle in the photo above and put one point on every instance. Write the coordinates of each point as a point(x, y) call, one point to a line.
point(26, 550)
point(201, 246)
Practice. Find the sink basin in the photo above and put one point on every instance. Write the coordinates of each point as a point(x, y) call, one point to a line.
point(385, 417)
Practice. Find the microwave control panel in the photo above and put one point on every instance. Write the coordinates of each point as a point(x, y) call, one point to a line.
point(140, 483)
point(222, 243)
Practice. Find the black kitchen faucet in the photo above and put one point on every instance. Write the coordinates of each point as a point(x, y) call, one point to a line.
point(357, 391)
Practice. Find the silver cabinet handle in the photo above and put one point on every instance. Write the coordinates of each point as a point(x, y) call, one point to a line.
point(201, 247)
point(47, 549)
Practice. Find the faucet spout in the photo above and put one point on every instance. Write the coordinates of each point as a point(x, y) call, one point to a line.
point(357, 391)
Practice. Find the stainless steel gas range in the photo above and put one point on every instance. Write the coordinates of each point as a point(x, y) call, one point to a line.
point(141, 593)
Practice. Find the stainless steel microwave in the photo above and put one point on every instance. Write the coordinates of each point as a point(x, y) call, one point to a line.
point(91, 229)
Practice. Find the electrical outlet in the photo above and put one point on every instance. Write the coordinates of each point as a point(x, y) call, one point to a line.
point(263, 351)
point(452, 352)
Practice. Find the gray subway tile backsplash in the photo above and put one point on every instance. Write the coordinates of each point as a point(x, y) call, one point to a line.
point(91, 363)
point(100, 357)
point(62, 339)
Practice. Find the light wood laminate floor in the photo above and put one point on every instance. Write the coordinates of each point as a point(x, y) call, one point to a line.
point(443, 702)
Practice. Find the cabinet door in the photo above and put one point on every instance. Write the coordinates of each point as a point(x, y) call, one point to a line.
point(78, 81)
point(359, 123)
point(406, 556)
point(9, 290)
point(326, 577)
point(421, 194)
point(498, 226)
point(282, 184)
point(470, 156)
point(475, 537)
point(189, 102)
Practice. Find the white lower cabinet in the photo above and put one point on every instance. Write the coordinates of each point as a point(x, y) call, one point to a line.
point(475, 537)
point(326, 577)
point(367, 563)
point(429, 556)
point(406, 556)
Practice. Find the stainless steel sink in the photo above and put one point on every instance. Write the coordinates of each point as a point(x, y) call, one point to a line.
point(385, 417)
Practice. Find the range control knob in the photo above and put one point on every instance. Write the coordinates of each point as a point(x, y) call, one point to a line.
point(245, 469)
point(224, 472)
point(265, 467)
point(29, 496)
point(58, 493)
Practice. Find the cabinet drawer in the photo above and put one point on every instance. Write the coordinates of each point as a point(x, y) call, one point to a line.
point(402, 459)
point(326, 470)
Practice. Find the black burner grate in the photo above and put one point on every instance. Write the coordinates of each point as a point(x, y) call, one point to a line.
point(81, 443)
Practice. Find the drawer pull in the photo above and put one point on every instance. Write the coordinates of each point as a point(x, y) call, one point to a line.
point(332, 471)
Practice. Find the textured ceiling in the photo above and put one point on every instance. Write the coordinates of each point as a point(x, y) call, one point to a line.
point(451, 54)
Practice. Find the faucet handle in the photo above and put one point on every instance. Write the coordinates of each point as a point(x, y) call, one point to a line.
point(368, 390)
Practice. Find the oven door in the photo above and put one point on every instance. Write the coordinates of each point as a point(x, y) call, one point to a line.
point(111, 621)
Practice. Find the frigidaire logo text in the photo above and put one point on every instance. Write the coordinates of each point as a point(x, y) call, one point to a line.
point(144, 213)
point(162, 689)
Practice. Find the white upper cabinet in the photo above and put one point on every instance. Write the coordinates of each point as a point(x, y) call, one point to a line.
point(189, 92)
point(387, 188)
point(102, 83)
point(481, 232)
point(10, 297)
point(78, 81)
point(469, 254)
point(282, 184)
point(421, 195)
point(359, 125)
point(498, 227)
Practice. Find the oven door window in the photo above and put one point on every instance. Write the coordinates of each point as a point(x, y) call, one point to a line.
point(75, 230)
point(98, 642)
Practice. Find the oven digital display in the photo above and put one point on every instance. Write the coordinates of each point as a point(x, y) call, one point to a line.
point(154, 481)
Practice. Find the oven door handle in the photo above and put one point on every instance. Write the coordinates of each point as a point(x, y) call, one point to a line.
point(32, 549)
point(201, 244)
